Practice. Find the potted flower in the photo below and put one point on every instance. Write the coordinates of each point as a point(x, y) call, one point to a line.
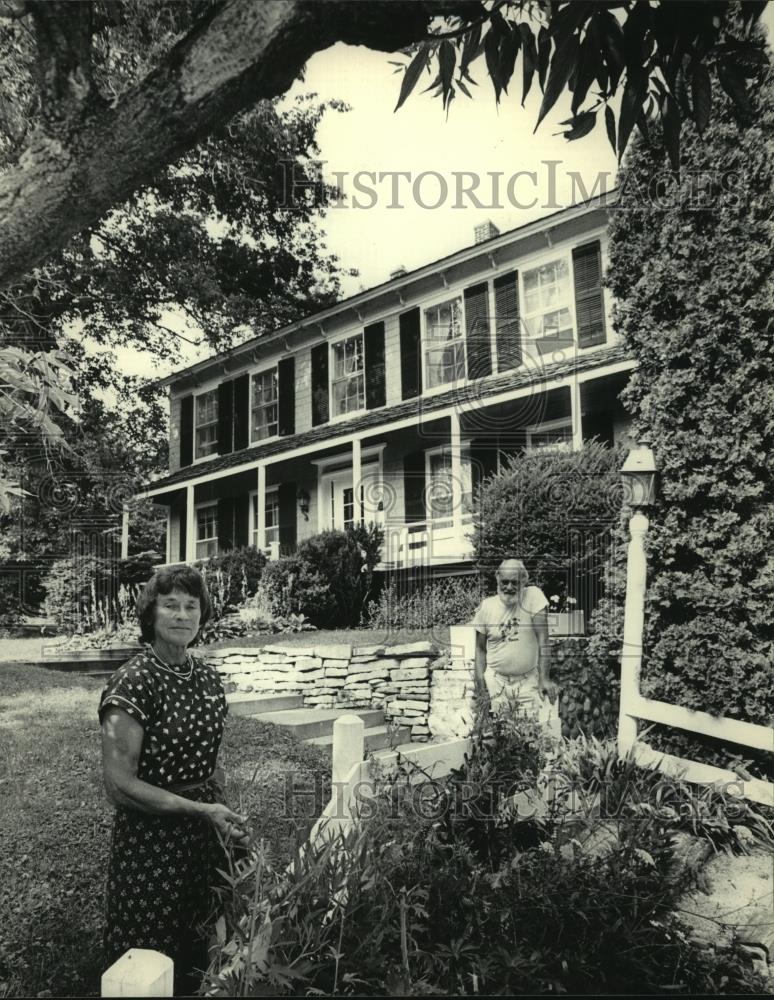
point(564, 618)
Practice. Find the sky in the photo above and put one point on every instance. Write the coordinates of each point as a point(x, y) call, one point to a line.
point(395, 221)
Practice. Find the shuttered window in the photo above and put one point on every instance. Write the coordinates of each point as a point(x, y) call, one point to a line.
point(206, 531)
point(270, 518)
point(508, 328)
point(206, 424)
point(546, 307)
point(478, 342)
point(589, 297)
point(444, 345)
point(348, 382)
point(264, 405)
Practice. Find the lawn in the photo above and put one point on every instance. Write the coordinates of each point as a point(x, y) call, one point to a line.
point(55, 821)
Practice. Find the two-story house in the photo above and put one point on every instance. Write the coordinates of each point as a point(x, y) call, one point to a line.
point(392, 404)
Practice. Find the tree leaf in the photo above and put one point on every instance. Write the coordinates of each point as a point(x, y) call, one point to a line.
point(529, 58)
point(509, 48)
point(587, 59)
point(470, 48)
point(631, 108)
point(413, 72)
point(581, 124)
point(701, 92)
point(447, 58)
point(610, 125)
point(562, 65)
point(492, 53)
point(613, 45)
point(543, 53)
point(733, 83)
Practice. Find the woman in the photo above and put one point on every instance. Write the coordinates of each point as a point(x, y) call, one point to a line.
point(162, 716)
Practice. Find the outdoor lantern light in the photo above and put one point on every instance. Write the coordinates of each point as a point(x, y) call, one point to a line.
point(303, 503)
point(639, 476)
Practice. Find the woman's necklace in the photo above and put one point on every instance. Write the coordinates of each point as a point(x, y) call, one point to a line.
point(181, 669)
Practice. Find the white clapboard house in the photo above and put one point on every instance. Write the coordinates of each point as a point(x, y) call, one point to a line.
point(390, 405)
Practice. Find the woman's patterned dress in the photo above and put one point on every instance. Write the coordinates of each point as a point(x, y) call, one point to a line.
point(159, 878)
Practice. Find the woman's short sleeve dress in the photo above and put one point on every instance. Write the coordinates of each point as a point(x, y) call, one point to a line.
point(159, 876)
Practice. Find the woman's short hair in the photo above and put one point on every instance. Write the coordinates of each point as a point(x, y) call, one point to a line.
point(163, 582)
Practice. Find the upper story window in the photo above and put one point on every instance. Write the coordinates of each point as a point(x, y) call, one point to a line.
point(547, 299)
point(263, 421)
point(444, 344)
point(348, 382)
point(206, 424)
point(206, 531)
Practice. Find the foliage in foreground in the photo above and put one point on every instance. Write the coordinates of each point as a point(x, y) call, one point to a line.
point(459, 888)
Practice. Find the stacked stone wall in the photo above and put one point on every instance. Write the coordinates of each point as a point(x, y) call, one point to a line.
point(395, 679)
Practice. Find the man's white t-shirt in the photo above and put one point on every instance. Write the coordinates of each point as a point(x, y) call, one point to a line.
point(511, 644)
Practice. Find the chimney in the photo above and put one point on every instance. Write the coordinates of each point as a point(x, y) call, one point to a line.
point(485, 231)
point(398, 272)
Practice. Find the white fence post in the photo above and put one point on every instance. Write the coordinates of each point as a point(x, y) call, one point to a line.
point(634, 619)
point(139, 972)
point(348, 746)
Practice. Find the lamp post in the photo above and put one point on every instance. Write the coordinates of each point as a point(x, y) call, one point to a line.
point(639, 478)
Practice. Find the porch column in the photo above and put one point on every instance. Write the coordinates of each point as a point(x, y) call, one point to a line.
point(190, 525)
point(320, 501)
point(456, 465)
point(356, 481)
point(125, 531)
point(261, 509)
point(575, 411)
point(168, 550)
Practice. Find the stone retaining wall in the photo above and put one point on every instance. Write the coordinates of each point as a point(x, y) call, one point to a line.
point(393, 678)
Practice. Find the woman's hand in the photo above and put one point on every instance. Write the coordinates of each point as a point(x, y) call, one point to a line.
point(227, 823)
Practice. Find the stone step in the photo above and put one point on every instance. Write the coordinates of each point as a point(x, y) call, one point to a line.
point(255, 704)
point(376, 738)
point(306, 723)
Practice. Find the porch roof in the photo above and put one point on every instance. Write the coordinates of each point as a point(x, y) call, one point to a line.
point(467, 397)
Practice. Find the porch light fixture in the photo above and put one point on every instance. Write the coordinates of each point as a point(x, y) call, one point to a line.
point(639, 476)
point(303, 503)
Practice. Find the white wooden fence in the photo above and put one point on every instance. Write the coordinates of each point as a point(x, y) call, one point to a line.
point(634, 706)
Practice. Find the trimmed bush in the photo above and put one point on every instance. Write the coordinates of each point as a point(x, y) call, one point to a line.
point(241, 570)
point(590, 689)
point(328, 579)
point(530, 508)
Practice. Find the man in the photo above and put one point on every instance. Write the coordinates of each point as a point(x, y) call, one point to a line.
point(512, 642)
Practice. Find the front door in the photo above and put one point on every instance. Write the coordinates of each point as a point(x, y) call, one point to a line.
point(339, 500)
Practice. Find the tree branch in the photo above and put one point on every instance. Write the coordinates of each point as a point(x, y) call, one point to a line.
point(239, 53)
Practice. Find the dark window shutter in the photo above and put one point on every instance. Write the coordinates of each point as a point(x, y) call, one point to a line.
point(414, 486)
point(410, 355)
point(225, 417)
point(183, 530)
point(186, 430)
point(241, 412)
point(483, 462)
point(589, 300)
point(319, 384)
point(286, 502)
point(286, 390)
point(242, 512)
point(225, 524)
point(507, 326)
point(477, 337)
point(598, 425)
point(375, 387)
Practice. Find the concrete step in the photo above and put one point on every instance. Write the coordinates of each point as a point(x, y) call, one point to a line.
point(307, 723)
point(376, 738)
point(260, 704)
